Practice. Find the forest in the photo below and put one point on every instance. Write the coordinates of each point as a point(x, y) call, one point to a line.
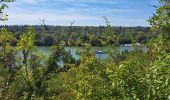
point(134, 75)
point(46, 35)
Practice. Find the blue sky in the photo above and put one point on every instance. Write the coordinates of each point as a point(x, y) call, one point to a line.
point(84, 12)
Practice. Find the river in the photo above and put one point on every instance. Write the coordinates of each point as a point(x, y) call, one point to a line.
point(46, 50)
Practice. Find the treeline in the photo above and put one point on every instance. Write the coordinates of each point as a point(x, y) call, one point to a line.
point(78, 35)
point(134, 75)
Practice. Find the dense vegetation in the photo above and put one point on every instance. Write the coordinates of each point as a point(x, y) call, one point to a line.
point(47, 35)
point(132, 75)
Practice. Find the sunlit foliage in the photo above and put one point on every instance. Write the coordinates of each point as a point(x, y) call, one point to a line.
point(134, 75)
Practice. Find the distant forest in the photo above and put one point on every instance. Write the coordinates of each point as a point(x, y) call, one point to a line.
point(78, 35)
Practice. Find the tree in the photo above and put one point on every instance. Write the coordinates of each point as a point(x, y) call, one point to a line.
point(3, 5)
point(8, 66)
point(161, 23)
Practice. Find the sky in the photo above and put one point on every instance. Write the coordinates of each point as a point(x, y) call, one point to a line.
point(84, 12)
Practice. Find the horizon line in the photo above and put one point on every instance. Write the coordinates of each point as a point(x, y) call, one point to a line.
point(73, 25)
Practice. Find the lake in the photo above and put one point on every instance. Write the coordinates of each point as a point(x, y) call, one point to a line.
point(99, 54)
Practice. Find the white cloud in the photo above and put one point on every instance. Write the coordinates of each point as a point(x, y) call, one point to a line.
point(80, 2)
point(83, 16)
point(88, 1)
point(21, 16)
point(28, 1)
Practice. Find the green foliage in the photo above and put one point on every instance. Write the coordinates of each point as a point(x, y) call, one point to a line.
point(7, 63)
point(26, 41)
point(96, 36)
point(161, 23)
point(4, 5)
point(132, 75)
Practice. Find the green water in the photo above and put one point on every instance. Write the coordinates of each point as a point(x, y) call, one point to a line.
point(46, 50)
